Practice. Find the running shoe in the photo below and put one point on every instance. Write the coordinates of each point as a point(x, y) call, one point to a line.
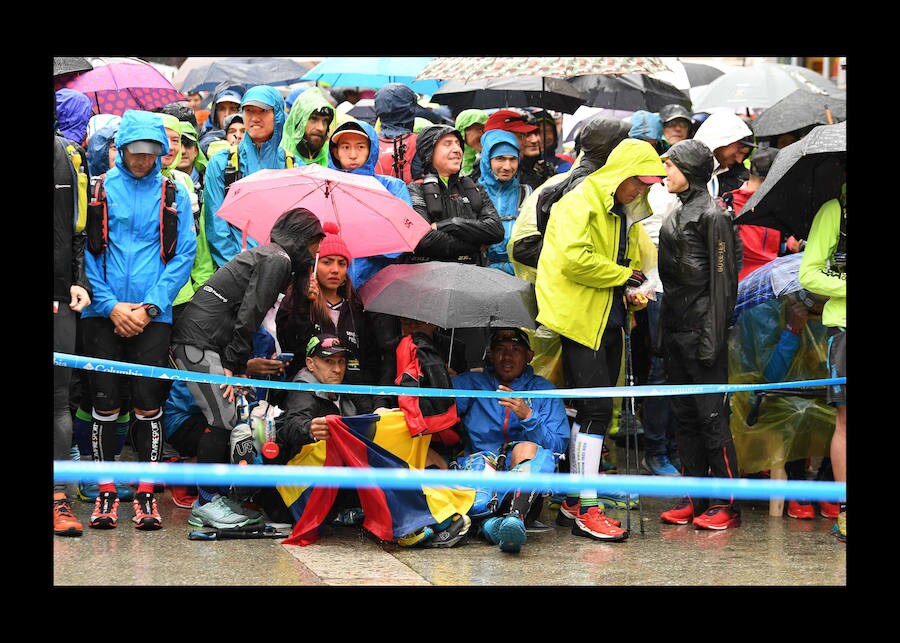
point(146, 515)
point(106, 511)
point(680, 514)
point(801, 509)
point(511, 532)
point(64, 521)
point(719, 517)
point(594, 524)
point(451, 532)
point(217, 514)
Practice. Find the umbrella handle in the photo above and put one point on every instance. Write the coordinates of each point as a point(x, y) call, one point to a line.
point(312, 296)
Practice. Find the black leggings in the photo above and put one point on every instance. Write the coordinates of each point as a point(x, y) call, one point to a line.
point(584, 367)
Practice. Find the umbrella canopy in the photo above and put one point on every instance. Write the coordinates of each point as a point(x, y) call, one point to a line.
point(760, 86)
point(451, 295)
point(630, 92)
point(469, 69)
point(373, 71)
point(804, 175)
point(526, 91)
point(70, 64)
point(797, 110)
point(684, 74)
point(370, 219)
point(364, 110)
point(244, 71)
point(118, 84)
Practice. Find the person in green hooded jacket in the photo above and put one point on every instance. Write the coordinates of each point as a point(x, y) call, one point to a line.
point(306, 128)
point(594, 247)
point(470, 123)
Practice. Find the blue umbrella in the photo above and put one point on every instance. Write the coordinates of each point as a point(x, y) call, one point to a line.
point(373, 71)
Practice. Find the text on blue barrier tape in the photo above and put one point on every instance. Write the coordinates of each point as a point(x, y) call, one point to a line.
point(650, 390)
point(183, 473)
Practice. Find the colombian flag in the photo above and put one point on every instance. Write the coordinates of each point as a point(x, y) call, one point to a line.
point(371, 441)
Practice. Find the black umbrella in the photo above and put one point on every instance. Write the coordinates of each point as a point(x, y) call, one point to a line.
point(804, 175)
point(526, 91)
point(629, 92)
point(70, 64)
point(797, 110)
point(245, 71)
point(699, 74)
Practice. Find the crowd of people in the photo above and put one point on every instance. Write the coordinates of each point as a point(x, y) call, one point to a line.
point(632, 236)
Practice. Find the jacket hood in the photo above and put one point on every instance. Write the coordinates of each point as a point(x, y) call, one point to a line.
point(645, 126)
point(138, 125)
point(720, 129)
point(395, 107)
point(73, 111)
point(293, 231)
point(426, 141)
point(293, 141)
point(172, 123)
point(367, 168)
point(269, 154)
point(694, 159)
point(631, 157)
point(600, 136)
point(490, 140)
point(98, 149)
point(465, 119)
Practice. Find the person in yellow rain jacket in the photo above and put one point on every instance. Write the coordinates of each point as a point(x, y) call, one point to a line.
point(594, 247)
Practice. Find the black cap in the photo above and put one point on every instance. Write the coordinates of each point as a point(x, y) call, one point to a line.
point(510, 335)
point(762, 161)
point(671, 112)
point(325, 345)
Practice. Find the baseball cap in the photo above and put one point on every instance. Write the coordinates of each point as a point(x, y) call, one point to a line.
point(651, 179)
point(762, 161)
point(229, 96)
point(325, 345)
point(511, 121)
point(671, 112)
point(350, 127)
point(510, 335)
point(145, 147)
point(231, 118)
point(257, 103)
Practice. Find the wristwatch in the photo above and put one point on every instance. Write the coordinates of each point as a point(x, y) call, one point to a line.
point(152, 311)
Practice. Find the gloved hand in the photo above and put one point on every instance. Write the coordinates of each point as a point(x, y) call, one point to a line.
point(636, 279)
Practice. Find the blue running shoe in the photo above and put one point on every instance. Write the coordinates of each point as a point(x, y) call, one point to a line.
point(126, 493)
point(490, 529)
point(659, 465)
point(618, 499)
point(87, 491)
point(512, 533)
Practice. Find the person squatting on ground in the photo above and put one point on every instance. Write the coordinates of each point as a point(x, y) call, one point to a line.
point(214, 334)
point(509, 434)
point(130, 317)
point(699, 261)
point(591, 252)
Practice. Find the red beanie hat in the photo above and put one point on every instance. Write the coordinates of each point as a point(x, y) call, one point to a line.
point(332, 244)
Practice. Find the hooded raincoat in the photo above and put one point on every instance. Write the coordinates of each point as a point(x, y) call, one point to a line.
point(578, 271)
point(224, 239)
point(227, 310)
point(720, 129)
point(98, 149)
point(73, 111)
point(464, 120)
point(131, 269)
point(505, 195)
point(699, 251)
point(293, 139)
point(395, 107)
point(461, 232)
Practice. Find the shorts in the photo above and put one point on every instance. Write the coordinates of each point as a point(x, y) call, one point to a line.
point(837, 365)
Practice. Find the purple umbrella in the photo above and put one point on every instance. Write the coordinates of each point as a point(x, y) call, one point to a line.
point(118, 84)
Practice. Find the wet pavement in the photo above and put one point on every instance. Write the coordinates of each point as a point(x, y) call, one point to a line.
point(764, 551)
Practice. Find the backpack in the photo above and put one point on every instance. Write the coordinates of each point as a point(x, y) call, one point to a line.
point(97, 223)
point(419, 364)
point(395, 156)
point(233, 171)
point(80, 180)
point(432, 193)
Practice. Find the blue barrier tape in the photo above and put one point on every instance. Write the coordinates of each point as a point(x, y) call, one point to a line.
point(650, 390)
point(182, 473)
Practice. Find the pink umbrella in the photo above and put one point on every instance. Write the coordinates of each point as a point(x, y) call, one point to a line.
point(371, 220)
point(117, 84)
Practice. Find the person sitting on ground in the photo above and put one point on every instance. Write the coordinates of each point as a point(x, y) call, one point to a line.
point(510, 433)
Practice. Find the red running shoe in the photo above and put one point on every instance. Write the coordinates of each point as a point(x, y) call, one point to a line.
point(594, 524)
point(182, 497)
point(146, 515)
point(565, 517)
point(718, 517)
point(106, 511)
point(680, 514)
point(802, 509)
point(829, 509)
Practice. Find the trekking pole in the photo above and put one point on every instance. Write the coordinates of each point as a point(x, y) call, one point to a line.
point(631, 425)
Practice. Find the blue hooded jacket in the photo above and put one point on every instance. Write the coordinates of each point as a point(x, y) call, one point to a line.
point(225, 239)
point(504, 195)
point(362, 268)
point(484, 417)
point(98, 149)
point(134, 270)
point(395, 106)
point(73, 111)
point(645, 126)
